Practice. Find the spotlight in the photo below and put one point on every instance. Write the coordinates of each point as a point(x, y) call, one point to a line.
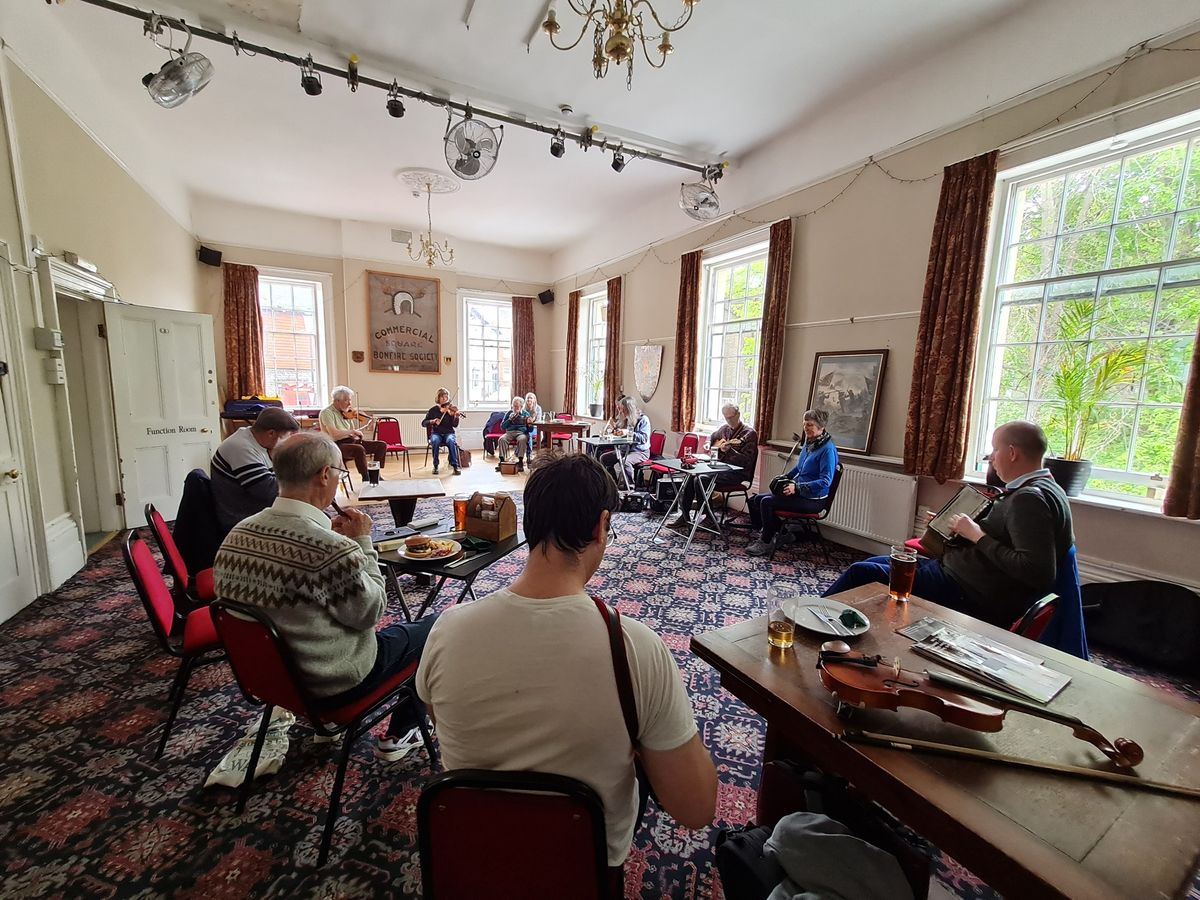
point(395, 106)
point(310, 79)
point(618, 162)
point(181, 76)
point(558, 145)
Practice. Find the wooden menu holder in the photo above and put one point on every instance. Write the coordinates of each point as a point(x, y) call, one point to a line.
point(502, 527)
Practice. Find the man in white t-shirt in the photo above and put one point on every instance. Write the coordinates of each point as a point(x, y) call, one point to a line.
point(523, 679)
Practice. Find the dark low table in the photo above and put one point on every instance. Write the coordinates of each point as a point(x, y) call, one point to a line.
point(465, 569)
point(705, 474)
point(402, 495)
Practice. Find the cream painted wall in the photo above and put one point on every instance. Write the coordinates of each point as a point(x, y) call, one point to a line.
point(81, 200)
point(864, 255)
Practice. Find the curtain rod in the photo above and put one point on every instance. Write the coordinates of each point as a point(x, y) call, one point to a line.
point(582, 138)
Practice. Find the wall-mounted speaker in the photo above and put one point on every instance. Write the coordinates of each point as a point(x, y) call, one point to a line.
point(546, 296)
point(209, 256)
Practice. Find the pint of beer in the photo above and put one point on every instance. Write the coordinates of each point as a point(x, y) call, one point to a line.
point(903, 572)
point(460, 511)
point(781, 610)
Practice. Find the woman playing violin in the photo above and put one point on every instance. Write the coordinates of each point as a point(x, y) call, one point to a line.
point(441, 420)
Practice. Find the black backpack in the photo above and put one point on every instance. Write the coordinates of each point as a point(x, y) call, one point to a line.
point(1151, 622)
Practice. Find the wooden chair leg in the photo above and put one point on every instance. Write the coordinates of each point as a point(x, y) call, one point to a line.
point(252, 766)
point(178, 686)
point(335, 797)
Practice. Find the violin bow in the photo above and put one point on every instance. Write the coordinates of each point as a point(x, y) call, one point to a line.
point(915, 745)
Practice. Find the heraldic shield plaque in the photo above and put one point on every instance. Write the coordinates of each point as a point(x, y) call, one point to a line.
point(647, 364)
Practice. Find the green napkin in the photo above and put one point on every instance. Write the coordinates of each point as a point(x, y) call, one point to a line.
point(852, 619)
point(477, 544)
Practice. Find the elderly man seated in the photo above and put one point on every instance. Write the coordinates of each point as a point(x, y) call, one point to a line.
point(243, 480)
point(319, 582)
point(1001, 564)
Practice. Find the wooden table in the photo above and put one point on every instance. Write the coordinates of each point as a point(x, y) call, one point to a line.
point(1028, 834)
point(546, 429)
point(402, 496)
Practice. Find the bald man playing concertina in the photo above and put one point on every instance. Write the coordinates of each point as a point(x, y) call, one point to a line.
point(999, 566)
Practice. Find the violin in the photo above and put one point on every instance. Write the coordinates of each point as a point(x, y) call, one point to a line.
point(869, 682)
point(450, 409)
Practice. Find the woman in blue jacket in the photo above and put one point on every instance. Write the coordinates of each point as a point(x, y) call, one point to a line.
point(808, 486)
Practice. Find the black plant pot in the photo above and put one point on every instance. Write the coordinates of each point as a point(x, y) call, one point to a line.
point(596, 409)
point(1071, 474)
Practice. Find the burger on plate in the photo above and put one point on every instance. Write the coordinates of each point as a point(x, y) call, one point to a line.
point(418, 546)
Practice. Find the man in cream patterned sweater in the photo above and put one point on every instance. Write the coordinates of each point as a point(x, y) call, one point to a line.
point(319, 582)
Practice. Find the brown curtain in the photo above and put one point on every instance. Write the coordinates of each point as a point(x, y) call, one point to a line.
point(524, 377)
point(683, 417)
point(572, 384)
point(774, 324)
point(244, 366)
point(612, 349)
point(1183, 490)
point(935, 442)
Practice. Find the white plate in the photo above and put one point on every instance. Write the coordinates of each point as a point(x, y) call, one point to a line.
point(803, 615)
point(455, 552)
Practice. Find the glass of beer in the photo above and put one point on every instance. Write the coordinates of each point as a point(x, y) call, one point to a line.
point(903, 572)
point(460, 511)
point(373, 472)
point(781, 607)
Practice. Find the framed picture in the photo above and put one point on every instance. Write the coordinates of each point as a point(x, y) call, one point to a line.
point(845, 384)
point(404, 314)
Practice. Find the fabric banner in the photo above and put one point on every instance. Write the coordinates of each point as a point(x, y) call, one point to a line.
point(404, 315)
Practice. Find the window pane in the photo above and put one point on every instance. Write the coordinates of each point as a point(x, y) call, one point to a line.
point(1119, 364)
point(1083, 252)
point(1140, 243)
point(1025, 262)
point(1187, 237)
point(1154, 446)
point(1178, 311)
point(1110, 436)
point(1125, 314)
point(1151, 182)
point(1069, 320)
point(1019, 322)
point(1091, 195)
point(1016, 371)
point(1191, 189)
point(1036, 209)
point(1167, 361)
point(1051, 358)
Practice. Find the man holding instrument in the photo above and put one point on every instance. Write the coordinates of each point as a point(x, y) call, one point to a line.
point(996, 567)
point(735, 443)
point(341, 424)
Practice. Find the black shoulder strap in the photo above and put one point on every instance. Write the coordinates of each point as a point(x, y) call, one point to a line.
point(616, 643)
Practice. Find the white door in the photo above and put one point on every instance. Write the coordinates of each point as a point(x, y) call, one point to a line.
point(165, 402)
point(18, 586)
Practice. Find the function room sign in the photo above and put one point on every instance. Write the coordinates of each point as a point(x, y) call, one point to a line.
point(404, 314)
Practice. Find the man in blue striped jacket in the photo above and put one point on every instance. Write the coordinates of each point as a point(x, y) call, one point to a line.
point(243, 480)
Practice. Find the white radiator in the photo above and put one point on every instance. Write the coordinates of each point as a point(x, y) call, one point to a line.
point(876, 504)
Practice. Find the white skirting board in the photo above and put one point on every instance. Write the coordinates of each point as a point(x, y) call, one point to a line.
point(64, 550)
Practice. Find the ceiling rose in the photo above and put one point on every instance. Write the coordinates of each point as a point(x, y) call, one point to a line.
point(421, 181)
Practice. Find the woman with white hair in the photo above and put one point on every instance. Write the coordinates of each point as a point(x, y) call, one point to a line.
point(348, 435)
point(516, 427)
point(630, 421)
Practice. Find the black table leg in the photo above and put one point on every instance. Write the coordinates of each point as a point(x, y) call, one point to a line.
point(428, 602)
point(390, 575)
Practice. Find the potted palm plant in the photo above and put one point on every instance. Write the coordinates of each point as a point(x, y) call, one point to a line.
point(1083, 377)
point(596, 386)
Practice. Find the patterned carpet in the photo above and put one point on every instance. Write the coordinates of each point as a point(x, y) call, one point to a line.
point(86, 811)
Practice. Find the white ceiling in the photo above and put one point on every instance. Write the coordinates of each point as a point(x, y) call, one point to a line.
point(742, 74)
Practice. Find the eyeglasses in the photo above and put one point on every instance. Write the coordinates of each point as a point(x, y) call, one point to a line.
point(340, 469)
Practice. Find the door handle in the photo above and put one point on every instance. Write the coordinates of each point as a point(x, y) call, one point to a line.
point(204, 431)
point(13, 474)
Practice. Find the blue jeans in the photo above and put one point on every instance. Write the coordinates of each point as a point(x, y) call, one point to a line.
point(436, 440)
point(397, 647)
point(932, 582)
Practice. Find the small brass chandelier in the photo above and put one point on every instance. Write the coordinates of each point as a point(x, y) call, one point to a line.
point(617, 25)
point(431, 251)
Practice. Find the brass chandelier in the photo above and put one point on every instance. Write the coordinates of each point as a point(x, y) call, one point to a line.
point(431, 251)
point(617, 24)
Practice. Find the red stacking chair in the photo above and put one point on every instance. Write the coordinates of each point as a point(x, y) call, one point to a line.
point(1037, 618)
point(807, 522)
point(189, 641)
point(690, 443)
point(559, 437)
point(658, 443)
point(189, 592)
point(915, 545)
point(387, 429)
point(267, 675)
point(560, 847)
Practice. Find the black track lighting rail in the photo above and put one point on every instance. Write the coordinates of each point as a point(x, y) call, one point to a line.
point(584, 139)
